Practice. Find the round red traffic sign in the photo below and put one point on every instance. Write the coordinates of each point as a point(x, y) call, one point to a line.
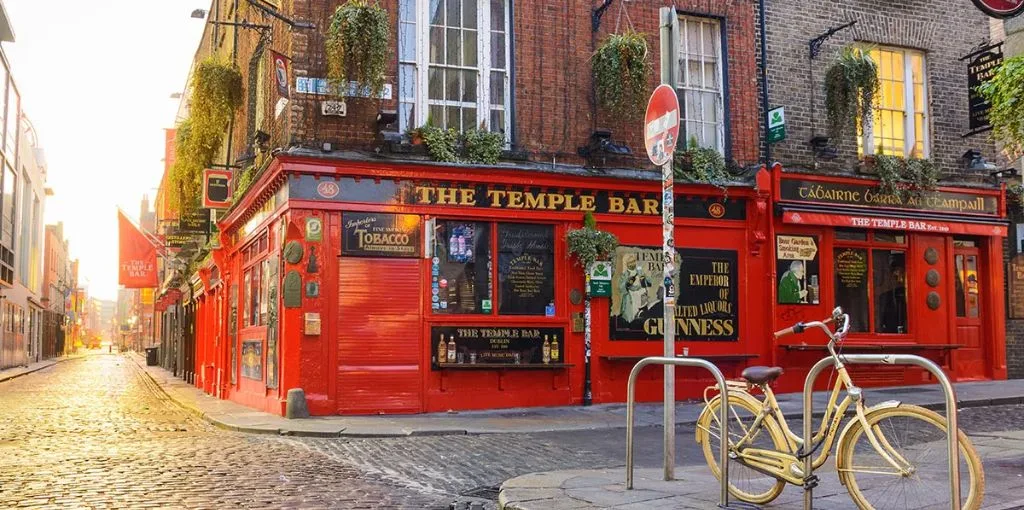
point(661, 125)
point(1000, 8)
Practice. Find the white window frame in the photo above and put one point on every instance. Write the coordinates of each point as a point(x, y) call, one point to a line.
point(684, 83)
point(483, 68)
point(910, 135)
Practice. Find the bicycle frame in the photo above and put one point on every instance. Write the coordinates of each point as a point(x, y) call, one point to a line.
point(788, 466)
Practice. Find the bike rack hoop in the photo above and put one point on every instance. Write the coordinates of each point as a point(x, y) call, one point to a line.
point(723, 418)
point(952, 441)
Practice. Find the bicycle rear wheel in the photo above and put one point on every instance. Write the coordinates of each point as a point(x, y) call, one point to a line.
point(919, 436)
point(745, 483)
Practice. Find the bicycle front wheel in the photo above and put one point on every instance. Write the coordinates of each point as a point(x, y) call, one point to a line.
point(745, 483)
point(918, 437)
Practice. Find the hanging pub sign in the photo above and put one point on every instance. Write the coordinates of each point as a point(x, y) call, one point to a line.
point(381, 235)
point(197, 222)
point(869, 195)
point(510, 197)
point(707, 307)
point(981, 67)
point(216, 188)
point(464, 346)
point(1000, 8)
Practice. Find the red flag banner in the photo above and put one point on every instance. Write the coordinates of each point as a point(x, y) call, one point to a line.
point(137, 256)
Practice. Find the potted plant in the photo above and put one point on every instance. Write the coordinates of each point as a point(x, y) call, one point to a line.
point(851, 87)
point(621, 69)
point(482, 146)
point(905, 178)
point(700, 165)
point(357, 46)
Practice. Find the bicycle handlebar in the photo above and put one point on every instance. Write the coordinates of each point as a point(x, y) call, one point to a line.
point(837, 316)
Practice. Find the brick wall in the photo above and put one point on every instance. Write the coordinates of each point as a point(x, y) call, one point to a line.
point(944, 31)
point(554, 110)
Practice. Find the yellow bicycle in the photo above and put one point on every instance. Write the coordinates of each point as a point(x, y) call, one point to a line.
point(890, 455)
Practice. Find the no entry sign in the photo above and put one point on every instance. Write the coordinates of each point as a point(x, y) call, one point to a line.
point(1000, 8)
point(661, 125)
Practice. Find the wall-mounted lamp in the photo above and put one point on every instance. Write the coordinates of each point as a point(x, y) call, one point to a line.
point(822, 149)
point(974, 161)
point(260, 140)
point(601, 142)
point(199, 13)
point(387, 127)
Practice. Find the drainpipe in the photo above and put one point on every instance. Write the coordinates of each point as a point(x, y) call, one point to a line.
point(764, 85)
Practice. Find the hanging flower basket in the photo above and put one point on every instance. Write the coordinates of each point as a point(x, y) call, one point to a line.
point(357, 46)
point(621, 70)
point(589, 244)
point(851, 87)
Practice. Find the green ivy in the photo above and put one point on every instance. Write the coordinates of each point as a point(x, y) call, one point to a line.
point(441, 143)
point(700, 165)
point(357, 45)
point(1005, 91)
point(621, 70)
point(482, 146)
point(216, 93)
point(243, 182)
point(1015, 201)
point(906, 178)
point(589, 244)
point(851, 87)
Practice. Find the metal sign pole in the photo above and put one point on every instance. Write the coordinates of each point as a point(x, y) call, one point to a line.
point(669, 63)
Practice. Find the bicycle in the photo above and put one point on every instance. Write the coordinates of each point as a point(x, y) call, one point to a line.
point(890, 455)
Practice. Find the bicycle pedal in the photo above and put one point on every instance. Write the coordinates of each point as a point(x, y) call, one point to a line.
point(810, 482)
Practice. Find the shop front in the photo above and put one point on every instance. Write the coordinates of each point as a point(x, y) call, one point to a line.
point(412, 288)
point(917, 273)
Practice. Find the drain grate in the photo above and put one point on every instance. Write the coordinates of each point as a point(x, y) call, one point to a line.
point(489, 492)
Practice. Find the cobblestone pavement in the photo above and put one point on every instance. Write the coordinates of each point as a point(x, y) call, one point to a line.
point(96, 433)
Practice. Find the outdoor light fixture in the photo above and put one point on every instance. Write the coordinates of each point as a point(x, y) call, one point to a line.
point(822, 149)
point(199, 13)
point(973, 160)
point(387, 131)
point(601, 142)
point(260, 140)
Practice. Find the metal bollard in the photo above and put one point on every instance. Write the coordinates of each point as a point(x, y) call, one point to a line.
point(952, 441)
point(723, 417)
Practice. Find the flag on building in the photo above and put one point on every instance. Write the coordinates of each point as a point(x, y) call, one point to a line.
point(137, 256)
point(280, 64)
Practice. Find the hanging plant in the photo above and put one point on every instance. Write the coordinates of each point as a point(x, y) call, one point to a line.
point(621, 69)
point(1015, 201)
point(701, 165)
point(851, 87)
point(1004, 91)
point(357, 46)
point(906, 178)
point(216, 93)
point(482, 146)
point(589, 244)
point(243, 182)
point(441, 143)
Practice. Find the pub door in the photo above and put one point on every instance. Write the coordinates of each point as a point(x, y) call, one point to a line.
point(969, 278)
point(379, 336)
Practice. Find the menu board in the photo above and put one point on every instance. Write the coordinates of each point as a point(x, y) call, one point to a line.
point(1016, 285)
point(851, 280)
point(380, 235)
point(526, 269)
point(486, 345)
point(707, 305)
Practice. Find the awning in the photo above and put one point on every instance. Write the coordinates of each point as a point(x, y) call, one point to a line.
point(968, 227)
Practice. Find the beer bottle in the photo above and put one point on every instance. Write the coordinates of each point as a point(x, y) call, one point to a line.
point(451, 349)
point(546, 350)
point(442, 351)
point(554, 348)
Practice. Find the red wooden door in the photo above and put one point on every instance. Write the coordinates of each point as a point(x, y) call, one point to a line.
point(379, 336)
point(969, 278)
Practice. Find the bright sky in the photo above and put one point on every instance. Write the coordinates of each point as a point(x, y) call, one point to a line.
point(95, 79)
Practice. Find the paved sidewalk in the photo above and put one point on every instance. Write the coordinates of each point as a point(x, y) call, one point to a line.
point(11, 373)
point(695, 487)
point(232, 416)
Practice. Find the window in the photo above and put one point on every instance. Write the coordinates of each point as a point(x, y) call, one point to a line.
point(899, 126)
point(13, 118)
point(465, 270)
point(876, 304)
point(454, 64)
point(700, 81)
point(27, 224)
point(968, 296)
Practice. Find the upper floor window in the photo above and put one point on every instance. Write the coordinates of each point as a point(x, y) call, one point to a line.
point(454, 64)
point(899, 126)
point(700, 81)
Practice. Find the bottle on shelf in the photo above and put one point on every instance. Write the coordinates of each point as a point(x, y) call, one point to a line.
point(546, 350)
point(451, 349)
point(442, 351)
point(554, 348)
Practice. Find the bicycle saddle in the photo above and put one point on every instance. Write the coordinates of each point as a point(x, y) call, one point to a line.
point(761, 375)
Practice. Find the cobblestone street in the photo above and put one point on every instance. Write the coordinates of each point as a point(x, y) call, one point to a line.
point(96, 432)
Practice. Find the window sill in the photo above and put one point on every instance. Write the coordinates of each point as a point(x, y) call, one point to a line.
point(500, 366)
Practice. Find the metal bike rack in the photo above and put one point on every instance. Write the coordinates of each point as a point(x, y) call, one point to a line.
point(952, 441)
point(723, 417)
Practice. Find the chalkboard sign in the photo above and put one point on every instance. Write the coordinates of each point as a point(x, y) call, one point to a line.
point(380, 235)
point(851, 275)
point(497, 345)
point(526, 269)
